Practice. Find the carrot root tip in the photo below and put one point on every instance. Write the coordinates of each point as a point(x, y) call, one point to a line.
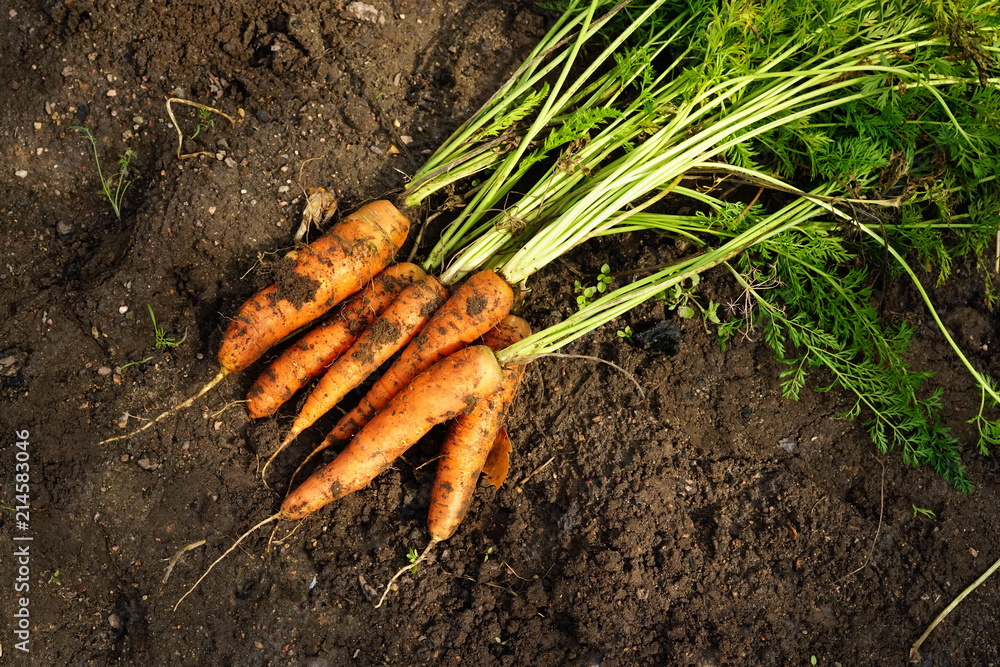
point(177, 408)
point(408, 568)
point(228, 551)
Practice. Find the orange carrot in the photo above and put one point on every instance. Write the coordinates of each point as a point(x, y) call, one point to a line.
point(313, 353)
point(448, 388)
point(326, 272)
point(395, 327)
point(475, 307)
point(471, 438)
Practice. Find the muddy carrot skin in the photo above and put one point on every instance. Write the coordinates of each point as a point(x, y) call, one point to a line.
point(394, 328)
point(332, 268)
point(310, 356)
point(326, 272)
point(450, 387)
point(470, 439)
point(475, 307)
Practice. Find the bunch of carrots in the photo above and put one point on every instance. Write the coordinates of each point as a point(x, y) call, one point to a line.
point(611, 156)
point(446, 336)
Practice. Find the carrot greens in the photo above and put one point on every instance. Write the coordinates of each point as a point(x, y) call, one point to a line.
point(876, 122)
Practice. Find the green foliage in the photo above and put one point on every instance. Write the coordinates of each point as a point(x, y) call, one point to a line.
point(134, 363)
point(682, 299)
point(518, 111)
point(818, 314)
point(114, 186)
point(889, 110)
point(924, 512)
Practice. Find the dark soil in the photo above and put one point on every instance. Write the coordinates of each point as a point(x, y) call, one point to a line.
point(670, 531)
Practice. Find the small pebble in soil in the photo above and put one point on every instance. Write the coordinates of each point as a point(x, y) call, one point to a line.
point(361, 11)
point(123, 309)
point(789, 444)
point(21, 173)
point(146, 464)
point(64, 227)
point(263, 116)
point(115, 621)
point(103, 371)
point(112, 93)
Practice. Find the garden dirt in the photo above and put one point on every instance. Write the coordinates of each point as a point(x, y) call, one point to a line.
point(705, 521)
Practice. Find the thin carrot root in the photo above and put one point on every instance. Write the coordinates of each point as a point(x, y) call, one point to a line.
point(177, 408)
point(266, 521)
point(271, 539)
point(388, 587)
point(291, 480)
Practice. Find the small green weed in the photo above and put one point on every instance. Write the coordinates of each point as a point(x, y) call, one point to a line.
point(113, 187)
point(626, 333)
point(924, 512)
point(487, 556)
point(205, 121)
point(162, 341)
point(53, 576)
point(604, 280)
point(412, 555)
point(682, 299)
point(134, 363)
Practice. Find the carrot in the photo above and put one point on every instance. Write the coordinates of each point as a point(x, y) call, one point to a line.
point(470, 440)
point(313, 353)
point(448, 388)
point(395, 327)
point(475, 307)
point(327, 271)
